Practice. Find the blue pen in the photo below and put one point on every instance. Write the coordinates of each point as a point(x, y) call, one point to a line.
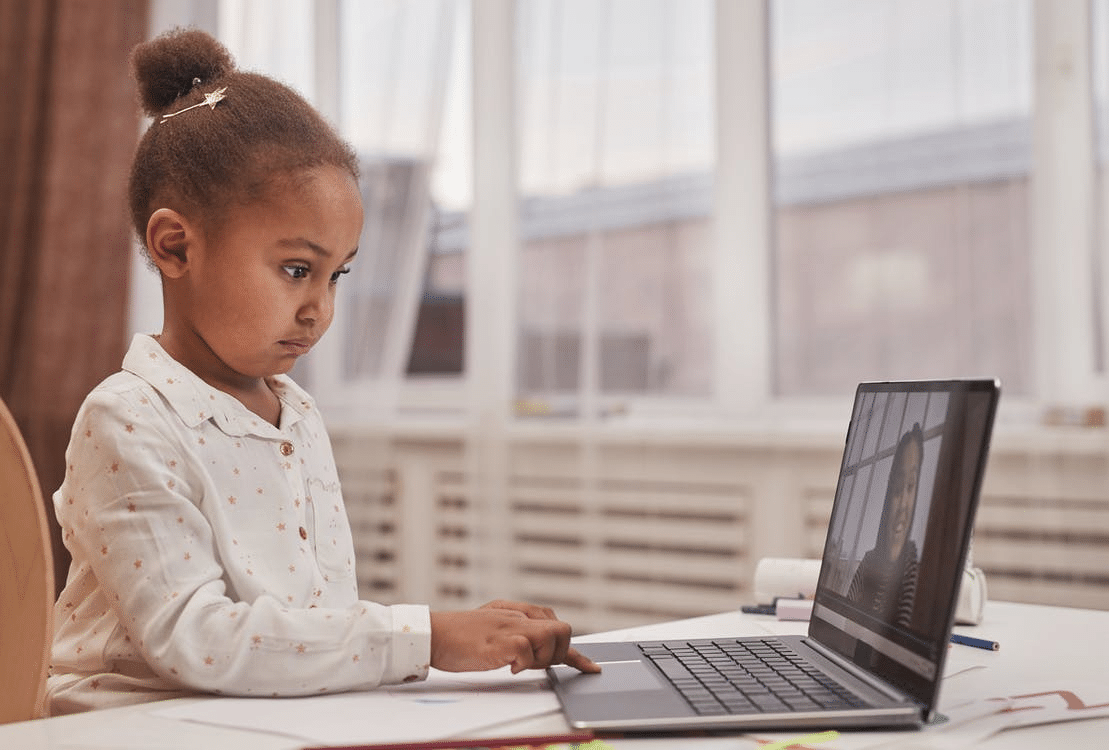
point(966, 640)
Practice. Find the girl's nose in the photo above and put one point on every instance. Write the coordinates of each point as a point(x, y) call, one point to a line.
point(319, 307)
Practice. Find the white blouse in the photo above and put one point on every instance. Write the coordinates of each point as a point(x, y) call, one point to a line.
point(211, 551)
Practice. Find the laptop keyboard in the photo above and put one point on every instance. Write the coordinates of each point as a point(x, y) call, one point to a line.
point(737, 677)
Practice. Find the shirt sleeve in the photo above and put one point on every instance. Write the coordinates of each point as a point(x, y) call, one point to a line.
point(131, 510)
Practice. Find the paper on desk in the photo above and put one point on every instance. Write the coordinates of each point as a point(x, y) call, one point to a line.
point(973, 722)
point(934, 738)
point(969, 723)
point(445, 705)
point(961, 728)
point(1051, 703)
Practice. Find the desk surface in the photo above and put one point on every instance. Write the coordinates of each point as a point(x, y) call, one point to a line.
point(1043, 649)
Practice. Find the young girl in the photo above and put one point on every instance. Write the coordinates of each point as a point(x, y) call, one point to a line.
point(211, 550)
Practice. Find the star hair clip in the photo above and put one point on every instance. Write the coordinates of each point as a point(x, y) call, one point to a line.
point(211, 99)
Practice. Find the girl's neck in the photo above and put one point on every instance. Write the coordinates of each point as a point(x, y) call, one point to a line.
point(264, 403)
point(254, 393)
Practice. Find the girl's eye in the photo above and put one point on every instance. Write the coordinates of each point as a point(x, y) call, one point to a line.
point(335, 276)
point(297, 272)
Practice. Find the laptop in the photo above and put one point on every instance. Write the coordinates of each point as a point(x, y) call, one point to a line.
point(897, 541)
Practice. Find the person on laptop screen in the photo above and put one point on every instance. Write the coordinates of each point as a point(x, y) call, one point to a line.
point(884, 584)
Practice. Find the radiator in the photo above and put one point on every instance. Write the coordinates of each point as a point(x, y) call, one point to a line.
point(625, 530)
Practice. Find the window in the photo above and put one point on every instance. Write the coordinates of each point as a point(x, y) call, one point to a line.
point(902, 150)
point(395, 67)
point(702, 207)
point(615, 119)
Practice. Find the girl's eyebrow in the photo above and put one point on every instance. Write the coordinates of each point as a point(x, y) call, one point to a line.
point(314, 247)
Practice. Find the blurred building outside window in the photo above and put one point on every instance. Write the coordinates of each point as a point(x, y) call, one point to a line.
point(902, 150)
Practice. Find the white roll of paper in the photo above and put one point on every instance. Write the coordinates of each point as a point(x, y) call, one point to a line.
point(788, 577)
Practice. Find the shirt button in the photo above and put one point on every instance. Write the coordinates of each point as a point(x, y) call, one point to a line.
point(286, 449)
point(303, 533)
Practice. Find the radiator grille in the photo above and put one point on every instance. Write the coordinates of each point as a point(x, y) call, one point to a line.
point(621, 553)
point(1045, 551)
point(626, 533)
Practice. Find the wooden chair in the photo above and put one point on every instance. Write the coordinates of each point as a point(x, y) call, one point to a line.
point(26, 581)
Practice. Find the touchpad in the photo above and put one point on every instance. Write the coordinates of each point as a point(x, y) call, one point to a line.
point(615, 677)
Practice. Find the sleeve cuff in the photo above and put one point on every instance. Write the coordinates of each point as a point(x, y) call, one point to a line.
point(411, 652)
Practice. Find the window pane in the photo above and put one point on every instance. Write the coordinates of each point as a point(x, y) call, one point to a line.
point(402, 65)
point(616, 152)
point(901, 149)
point(269, 37)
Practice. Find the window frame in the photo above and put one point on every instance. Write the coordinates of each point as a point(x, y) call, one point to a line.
point(1064, 195)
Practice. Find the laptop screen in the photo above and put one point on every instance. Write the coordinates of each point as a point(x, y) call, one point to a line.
point(897, 539)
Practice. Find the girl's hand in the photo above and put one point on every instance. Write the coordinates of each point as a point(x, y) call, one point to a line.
point(503, 633)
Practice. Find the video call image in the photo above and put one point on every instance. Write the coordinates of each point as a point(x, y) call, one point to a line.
point(887, 489)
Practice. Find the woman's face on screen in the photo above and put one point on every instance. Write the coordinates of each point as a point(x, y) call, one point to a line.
point(903, 486)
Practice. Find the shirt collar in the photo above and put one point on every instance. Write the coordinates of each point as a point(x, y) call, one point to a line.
point(194, 401)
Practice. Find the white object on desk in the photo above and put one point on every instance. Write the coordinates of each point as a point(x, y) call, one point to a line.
point(794, 609)
point(972, 597)
point(787, 577)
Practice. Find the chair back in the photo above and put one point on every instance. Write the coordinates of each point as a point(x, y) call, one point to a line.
point(26, 581)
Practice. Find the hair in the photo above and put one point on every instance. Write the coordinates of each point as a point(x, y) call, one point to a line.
point(210, 159)
point(913, 436)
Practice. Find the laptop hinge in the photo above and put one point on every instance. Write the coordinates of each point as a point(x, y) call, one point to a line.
point(856, 672)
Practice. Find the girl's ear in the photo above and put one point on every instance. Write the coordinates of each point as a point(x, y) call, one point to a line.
point(170, 237)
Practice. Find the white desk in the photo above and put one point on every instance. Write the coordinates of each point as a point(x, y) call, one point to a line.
point(1041, 648)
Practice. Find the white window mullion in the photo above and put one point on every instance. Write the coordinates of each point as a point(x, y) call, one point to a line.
point(491, 284)
point(491, 262)
point(741, 213)
point(1062, 201)
point(327, 54)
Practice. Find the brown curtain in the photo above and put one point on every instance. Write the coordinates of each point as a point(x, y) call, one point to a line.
point(68, 128)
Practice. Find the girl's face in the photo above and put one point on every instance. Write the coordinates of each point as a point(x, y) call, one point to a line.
point(903, 498)
point(261, 292)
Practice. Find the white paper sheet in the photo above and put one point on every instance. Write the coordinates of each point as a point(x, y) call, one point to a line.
point(446, 705)
point(967, 724)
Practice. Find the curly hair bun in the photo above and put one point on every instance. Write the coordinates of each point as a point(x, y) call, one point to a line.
point(166, 66)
